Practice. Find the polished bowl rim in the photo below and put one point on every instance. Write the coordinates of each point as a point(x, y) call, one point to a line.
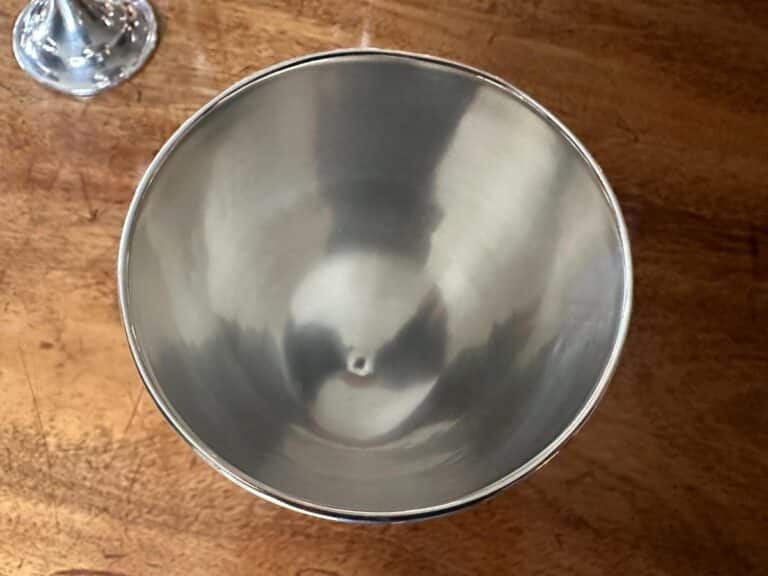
point(269, 493)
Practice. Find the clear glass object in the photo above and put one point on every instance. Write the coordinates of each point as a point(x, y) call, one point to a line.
point(82, 47)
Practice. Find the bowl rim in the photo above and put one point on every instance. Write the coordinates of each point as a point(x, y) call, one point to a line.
point(295, 503)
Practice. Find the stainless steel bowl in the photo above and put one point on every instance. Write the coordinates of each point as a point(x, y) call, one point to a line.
point(374, 286)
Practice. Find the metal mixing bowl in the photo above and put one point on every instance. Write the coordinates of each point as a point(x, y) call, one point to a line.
point(371, 285)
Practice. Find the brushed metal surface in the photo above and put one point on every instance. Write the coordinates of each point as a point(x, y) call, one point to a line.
point(374, 286)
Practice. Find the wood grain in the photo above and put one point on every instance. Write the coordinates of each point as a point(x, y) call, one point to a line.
point(669, 477)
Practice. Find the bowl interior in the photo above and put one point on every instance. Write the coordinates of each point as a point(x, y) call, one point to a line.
point(374, 284)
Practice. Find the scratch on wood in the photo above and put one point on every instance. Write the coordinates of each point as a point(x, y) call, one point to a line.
point(76, 377)
point(365, 33)
point(196, 517)
point(134, 477)
point(93, 213)
point(75, 542)
point(131, 418)
point(83, 111)
point(624, 126)
point(134, 410)
point(55, 179)
point(86, 572)
point(40, 428)
point(315, 572)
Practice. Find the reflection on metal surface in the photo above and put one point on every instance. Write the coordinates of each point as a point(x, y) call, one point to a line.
point(375, 286)
point(82, 47)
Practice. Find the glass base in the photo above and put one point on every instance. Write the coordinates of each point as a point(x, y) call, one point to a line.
point(82, 47)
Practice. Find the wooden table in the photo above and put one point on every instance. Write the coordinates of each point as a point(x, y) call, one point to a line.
point(669, 477)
